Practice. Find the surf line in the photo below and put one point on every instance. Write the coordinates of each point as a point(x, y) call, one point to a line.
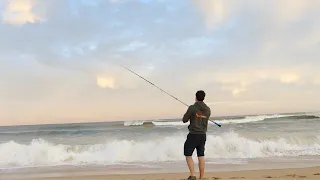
point(164, 91)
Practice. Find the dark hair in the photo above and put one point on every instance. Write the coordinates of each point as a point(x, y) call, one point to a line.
point(200, 95)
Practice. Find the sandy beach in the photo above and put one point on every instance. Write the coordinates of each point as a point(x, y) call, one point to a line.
point(312, 173)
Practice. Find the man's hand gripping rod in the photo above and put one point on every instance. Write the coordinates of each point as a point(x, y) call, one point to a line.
point(165, 92)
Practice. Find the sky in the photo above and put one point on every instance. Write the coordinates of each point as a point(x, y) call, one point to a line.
point(60, 60)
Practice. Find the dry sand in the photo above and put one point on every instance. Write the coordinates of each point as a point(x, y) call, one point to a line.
point(312, 173)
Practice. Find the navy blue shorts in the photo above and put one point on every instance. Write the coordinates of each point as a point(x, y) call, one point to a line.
point(195, 141)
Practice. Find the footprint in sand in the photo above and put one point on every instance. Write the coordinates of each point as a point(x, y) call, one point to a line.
point(317, 174)
point(268, 177)
point(295, 176)
point(237, 178)
point(211, 178)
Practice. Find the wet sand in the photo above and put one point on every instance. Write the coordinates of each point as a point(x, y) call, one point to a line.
point(310, 173)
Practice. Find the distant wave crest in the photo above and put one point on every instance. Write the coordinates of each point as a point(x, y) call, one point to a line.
point(246, 119)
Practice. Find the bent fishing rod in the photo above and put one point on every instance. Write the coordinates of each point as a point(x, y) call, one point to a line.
point(164, 91)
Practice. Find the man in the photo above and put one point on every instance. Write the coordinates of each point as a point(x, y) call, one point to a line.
point(198, 114)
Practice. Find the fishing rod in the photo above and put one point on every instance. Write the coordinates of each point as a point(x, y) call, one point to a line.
point(164, 91)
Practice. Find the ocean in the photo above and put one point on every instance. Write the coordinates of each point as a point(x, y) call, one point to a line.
point(279, 140)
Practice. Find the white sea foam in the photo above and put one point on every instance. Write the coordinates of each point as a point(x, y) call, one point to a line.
point(249, 119)
point(228, 145)
point(133, 123)
point(173, 123)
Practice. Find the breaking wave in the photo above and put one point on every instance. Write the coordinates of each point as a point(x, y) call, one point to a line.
point(228, 145)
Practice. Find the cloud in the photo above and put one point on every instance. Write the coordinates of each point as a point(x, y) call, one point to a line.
point(258, 42)
point(105, 82)
point(218, 12)
point(317, 80)
point(239, 80)
point(289, 78)
point(19, 12)
point(214, 12)
point(132, 46)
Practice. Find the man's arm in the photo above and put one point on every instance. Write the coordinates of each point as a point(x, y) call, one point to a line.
point(209, 113)
point(187, 115)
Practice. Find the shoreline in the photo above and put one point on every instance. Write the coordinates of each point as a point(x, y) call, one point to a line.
point(312, 173)
point(94, 173)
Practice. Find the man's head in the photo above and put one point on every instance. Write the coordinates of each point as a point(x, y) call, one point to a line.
point(200, 95)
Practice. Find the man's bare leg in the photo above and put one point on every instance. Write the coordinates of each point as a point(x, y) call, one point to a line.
point(190, 165)
point(201, 166)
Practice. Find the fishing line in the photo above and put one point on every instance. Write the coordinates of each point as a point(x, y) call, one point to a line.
point(164, 91)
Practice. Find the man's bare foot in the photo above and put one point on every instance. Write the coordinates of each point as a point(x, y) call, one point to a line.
point(192, 178)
